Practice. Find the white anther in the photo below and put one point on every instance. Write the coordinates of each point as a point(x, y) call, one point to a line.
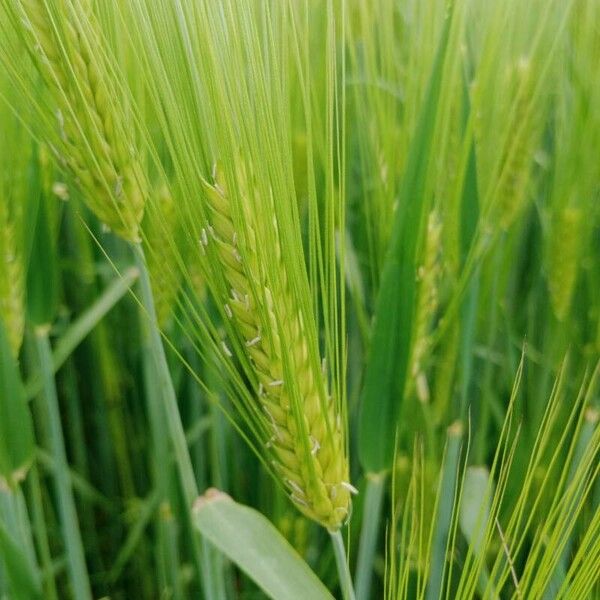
point(234, 238)
point(349, 487)
point(276, 382)
point(228, 311)
point(118, 187)
point(213, 172)
point(212, 232)
point(253, 341)
point(237, 256)
point(298, 500)
point(203, 237)
point(261, 389)
point(226, 349)
point(295, 487)
point(315, 445)
point(273, 423)
point(60, 190)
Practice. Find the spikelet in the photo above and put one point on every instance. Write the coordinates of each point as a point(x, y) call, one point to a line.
point(94, 143)
point(563, 258)
point(11, 282)
point(427, 303)
point(304, 434)
point(523, 128)
point(159, 232)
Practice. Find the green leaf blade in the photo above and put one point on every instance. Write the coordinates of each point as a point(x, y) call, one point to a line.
point(387, 366)
point(16, 429)
point(248, 539)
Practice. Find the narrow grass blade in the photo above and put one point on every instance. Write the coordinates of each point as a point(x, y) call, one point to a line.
point(43, 271)
point(387, 366)
point(252, 542)
point(24, 581)
point(64, 492)
point(16, 431)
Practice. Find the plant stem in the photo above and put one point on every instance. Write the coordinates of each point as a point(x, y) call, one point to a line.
point(342, 565)
point(66, 503)
point(212, 581)
point(369, 533)
point(163, 378)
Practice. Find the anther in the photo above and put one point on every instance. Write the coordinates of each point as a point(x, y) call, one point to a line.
point(349, 487)
point(297, 500)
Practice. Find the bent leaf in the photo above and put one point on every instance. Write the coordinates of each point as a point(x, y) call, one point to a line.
point(249, 540)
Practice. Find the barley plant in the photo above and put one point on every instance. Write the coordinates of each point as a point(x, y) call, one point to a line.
point(299, 299)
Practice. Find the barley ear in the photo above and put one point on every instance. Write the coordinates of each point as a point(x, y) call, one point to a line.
point(303, 431)
point(427, 303)
point(516, 166)
point(94, 143)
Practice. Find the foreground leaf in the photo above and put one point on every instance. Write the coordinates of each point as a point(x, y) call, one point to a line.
point(252, 542)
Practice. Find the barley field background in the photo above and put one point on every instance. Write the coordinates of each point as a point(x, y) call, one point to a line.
point(299, 299)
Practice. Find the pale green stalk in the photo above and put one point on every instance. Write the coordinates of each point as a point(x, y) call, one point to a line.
point(341, 562)
point(66, 504)
point(212, 582)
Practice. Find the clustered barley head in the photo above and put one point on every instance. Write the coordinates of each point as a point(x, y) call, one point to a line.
point(304, 434)
point(524, 128)
point(95, 144)
point(429, 273)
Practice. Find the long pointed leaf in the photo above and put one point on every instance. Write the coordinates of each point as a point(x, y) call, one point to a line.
point(386, 369)
point(252, 542)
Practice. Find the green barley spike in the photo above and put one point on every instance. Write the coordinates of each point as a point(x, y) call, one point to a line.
point(96, 146)
point(306, 443)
